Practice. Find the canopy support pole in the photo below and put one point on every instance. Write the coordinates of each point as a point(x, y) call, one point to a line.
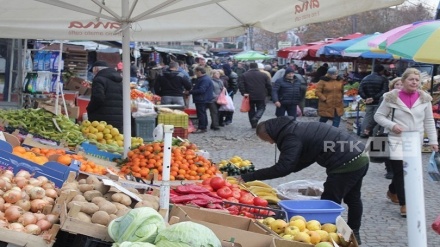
point(126, 109)
point(165, 186)
point(414, 193)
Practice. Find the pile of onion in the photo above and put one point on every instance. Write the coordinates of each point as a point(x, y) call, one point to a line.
point(22, 201)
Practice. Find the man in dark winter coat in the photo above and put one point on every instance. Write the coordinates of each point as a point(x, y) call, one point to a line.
point(371, 89)
point(287, 94)
point(203, 94)
point(320, 72)
point(171, 85)
point(106, 99)
point(303, 143)
point(255, 85)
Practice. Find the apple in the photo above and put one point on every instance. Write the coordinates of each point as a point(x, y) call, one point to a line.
point(291, 230)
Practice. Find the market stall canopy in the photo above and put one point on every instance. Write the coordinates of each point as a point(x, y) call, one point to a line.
point(167, 20)
point(420, 43)
point(164, 20)
point(309, 52)
point(251, 55)
point(363, 50)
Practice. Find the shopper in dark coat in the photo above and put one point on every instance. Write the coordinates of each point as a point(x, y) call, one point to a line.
point(301, 144)
point(106, 99)
point(203, 94)
point(287, 94)
point(171, 85)
point(255, 85)
point(371, 89)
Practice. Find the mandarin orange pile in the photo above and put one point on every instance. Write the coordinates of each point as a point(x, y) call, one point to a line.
point(185, 163)
point(41, 155)
point(29, 155)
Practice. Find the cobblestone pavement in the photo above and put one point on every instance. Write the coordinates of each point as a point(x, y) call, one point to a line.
point(381, 225)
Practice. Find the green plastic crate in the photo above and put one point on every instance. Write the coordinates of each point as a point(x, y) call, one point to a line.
point(178, 120)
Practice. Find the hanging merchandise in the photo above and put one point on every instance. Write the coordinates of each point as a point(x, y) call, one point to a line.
point(29, 64)
point(154, 56)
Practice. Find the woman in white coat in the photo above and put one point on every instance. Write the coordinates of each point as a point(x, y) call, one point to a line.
point(412, 112)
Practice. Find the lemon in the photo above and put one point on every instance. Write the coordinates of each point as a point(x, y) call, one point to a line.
point(99, 136)
point(95, 123)
point(106, 131)
point(114, 131)
point(100, 127)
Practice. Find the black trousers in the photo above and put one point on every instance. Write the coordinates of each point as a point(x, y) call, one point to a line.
point(347, 187)
point(397, 185)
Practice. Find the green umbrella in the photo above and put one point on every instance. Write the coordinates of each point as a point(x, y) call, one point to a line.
point(251, 55)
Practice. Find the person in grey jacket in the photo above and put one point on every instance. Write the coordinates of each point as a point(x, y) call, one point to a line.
point(302, 144)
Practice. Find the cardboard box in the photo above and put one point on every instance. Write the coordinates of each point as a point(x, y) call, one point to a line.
point(226, 233)
point(78, 84)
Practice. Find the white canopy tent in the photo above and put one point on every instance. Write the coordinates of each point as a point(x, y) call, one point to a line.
point(164, 20)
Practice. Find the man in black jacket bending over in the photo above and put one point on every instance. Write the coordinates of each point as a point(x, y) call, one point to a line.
point(303, 143)
point(371, 89)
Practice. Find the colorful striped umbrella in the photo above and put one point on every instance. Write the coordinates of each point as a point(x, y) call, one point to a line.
point(362, 49)
point(421, 43)
point(381, 40)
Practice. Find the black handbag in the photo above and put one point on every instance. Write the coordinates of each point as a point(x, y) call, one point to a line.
point(378, 146)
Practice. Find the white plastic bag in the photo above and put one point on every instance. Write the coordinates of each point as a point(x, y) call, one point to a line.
point(158, 133)
point(301, 190)
point(229, 106)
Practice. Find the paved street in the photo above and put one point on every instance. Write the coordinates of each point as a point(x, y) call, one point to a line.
point(382, 224)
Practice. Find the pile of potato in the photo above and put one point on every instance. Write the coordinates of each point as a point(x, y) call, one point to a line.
point(100, 204)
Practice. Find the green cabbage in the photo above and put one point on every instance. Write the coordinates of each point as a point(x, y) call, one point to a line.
point(138, 225)
point(136, 244)
point(187, 234)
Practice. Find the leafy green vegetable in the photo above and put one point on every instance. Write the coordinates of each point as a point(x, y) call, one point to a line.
point(136, 244)
point(187, 234)
point(138, 225)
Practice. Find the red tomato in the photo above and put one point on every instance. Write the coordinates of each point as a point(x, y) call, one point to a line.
point(260, 202)
point(206, 181)
point(224, 192)
point(236, 194)
point(207, 186)
point(217, 182)
point(247, 214)
point(232, 199)
point(247, 198)
point(228, 184)
point(235, 186)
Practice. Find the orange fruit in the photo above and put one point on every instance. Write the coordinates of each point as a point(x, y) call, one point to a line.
point(64, 159)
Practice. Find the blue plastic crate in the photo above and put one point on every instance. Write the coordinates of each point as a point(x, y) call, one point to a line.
point(324, 211)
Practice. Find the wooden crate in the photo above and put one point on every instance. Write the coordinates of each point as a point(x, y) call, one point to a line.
point(70, 224)
point(25, 239)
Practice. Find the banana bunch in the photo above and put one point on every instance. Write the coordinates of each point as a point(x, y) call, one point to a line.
point(310, 94)
point(262, 190)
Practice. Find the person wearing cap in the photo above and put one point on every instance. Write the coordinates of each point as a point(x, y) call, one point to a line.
point(330, 92)
point(261, 68)
point(302, 144)
point(106, 98)
point(287, 94)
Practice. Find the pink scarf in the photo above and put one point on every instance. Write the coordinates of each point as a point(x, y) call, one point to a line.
point(408, 98)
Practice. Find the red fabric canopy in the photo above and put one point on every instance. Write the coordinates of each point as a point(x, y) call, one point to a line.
point(308, 51)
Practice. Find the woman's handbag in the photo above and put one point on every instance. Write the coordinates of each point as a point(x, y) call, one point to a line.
point(245, 105)
point(378, 146)
point(221, 99)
